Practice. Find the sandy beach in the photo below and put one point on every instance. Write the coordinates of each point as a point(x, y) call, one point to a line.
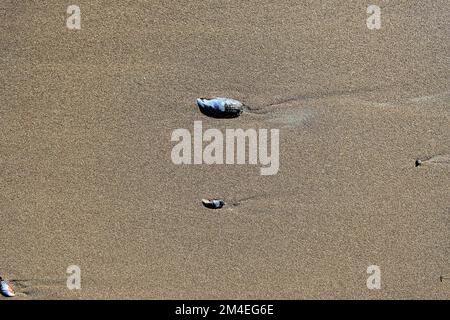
point(86, 176)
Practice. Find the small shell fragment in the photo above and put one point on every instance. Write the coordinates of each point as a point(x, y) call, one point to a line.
point(213, 203)
point(6, 289)
point(440, 159)
point(220, 107)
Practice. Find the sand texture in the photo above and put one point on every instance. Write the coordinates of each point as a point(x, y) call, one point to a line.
point(86, 176)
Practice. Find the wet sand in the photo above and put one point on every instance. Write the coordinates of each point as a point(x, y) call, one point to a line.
point(87, 179)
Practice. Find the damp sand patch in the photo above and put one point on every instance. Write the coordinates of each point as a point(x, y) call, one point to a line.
point(292, 118)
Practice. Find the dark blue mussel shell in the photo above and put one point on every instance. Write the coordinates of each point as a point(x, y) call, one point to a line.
point(220, 107)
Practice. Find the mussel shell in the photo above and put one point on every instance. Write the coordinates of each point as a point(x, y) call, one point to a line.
point(220, 107)
point(213, 203)
point(6, 289)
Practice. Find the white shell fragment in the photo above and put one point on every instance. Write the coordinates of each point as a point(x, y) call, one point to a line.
point(6, 289)
point(213, 203)
point(220, 107)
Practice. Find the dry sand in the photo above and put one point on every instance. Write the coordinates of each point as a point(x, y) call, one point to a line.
point(86, 176)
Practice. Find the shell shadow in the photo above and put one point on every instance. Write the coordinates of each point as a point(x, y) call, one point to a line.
point(220, 114)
